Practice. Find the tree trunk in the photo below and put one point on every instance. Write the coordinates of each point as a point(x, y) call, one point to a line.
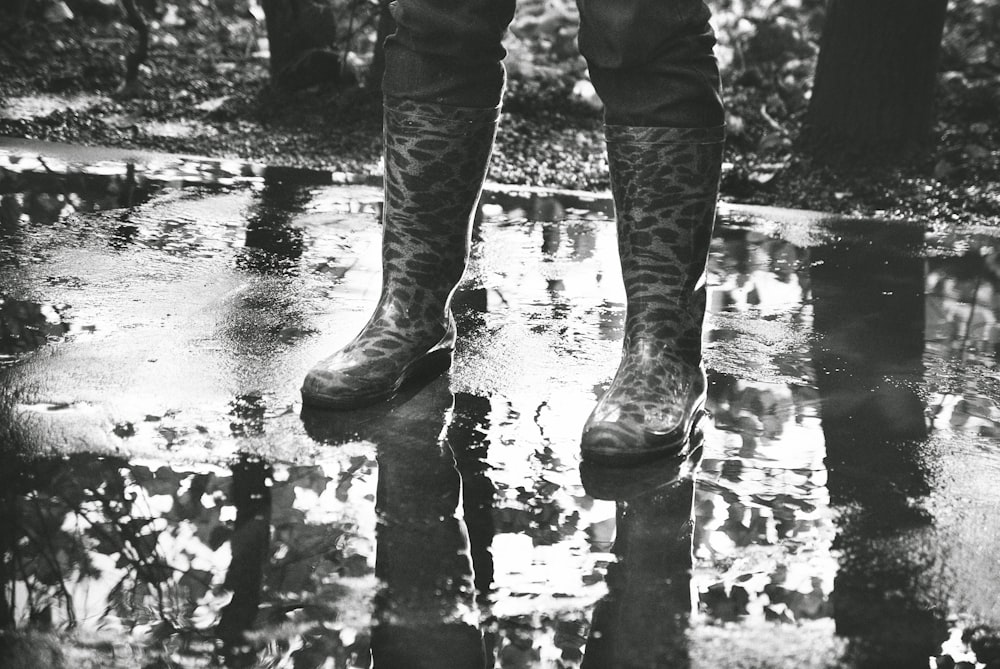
point(132, 86)
point(874, 91)
point(250, 545)
point(301, 36)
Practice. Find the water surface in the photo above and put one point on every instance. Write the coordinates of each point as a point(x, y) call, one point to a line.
point(168, 500)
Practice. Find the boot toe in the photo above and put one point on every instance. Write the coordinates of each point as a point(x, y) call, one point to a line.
point(349, 384)
point(333, 389)
point(349, 378)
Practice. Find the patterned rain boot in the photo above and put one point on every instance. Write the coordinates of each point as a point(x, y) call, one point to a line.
point(436, 159)
point(665, 183)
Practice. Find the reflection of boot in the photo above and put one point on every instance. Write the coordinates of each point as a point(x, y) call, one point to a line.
point(435, 163)
point(621, 483)
point(643, 620)
point(424, 613)
point(665, 182)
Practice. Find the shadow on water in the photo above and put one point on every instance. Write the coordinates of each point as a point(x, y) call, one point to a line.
point(839, 512)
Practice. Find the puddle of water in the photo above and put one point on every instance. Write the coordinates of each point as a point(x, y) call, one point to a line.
point(167, 498)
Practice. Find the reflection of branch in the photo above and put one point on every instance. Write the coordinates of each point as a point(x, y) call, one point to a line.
point(56, 569)
point(127, 544)
point(963, 354)
point(972, 315)
point(30, 595)
point(65, 193)
point(770, 120)
point(502, 298)
point(118, 587)
point(538, 418)
point(143, 565)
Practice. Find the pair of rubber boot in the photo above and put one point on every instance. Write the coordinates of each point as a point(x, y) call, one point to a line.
point(664, 182)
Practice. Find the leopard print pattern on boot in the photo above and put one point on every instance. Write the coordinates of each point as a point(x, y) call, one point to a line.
point(436, 158)
point(665, 183)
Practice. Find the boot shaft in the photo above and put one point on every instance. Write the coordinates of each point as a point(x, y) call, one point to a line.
point(436, 159)
point(665, 183)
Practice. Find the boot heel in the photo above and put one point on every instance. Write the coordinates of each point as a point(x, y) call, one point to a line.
point(427, 368)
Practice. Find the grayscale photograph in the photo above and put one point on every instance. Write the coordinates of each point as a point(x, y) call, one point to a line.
point(500, 334)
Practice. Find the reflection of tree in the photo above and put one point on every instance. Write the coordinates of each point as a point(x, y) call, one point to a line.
point(250, 544)
point(869, 318)
point(763, 526)
point(272, 243)
point(750, 270)
point(759, 285)
point(268, 309)
point(535, 511)
point(756, 411)
point(62, 515)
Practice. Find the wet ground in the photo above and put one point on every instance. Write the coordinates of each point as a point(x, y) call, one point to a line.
point(167, 501)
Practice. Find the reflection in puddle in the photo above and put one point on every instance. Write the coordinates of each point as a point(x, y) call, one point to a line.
point(963, 334)
point(41, 193)
point(177, 558)
point(762, 509)
point(26, 326)
point(840, 513)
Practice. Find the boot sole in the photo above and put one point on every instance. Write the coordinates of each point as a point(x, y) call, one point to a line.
point(425, 368)
point(622, 483)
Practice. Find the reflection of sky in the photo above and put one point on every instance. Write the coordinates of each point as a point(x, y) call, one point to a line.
point(763, 523)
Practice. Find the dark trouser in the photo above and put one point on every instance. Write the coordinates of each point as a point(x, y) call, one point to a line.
point(651, 61)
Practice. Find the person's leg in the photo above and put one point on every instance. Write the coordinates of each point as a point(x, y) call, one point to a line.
point(651, 62)
point(443, 83)
point(447, 51)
